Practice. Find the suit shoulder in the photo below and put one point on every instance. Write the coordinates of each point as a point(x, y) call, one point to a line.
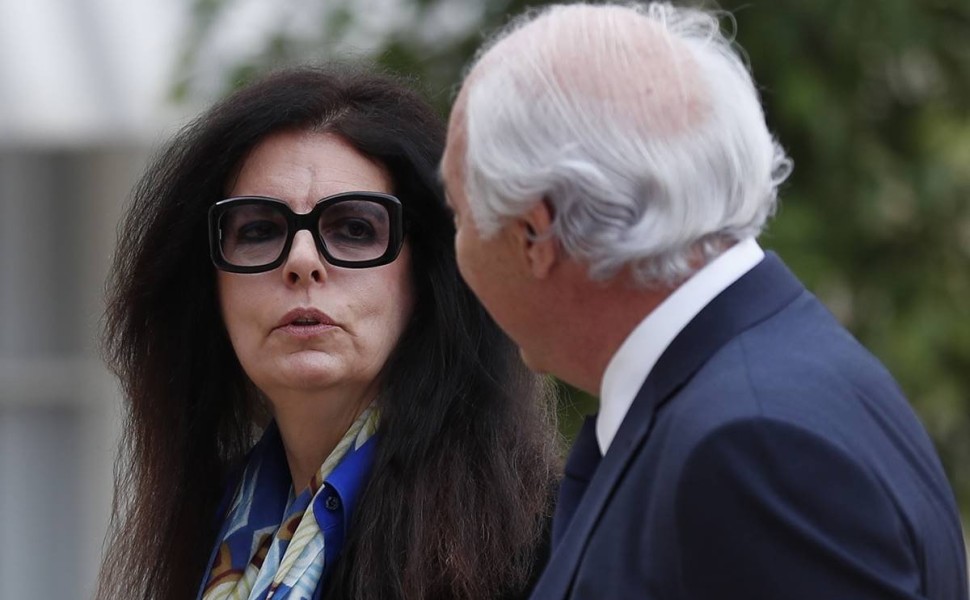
point(799, 366)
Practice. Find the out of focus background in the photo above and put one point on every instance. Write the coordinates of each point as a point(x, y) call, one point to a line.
point(871, 99)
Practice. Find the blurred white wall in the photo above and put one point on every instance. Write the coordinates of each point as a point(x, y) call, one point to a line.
point(78, 71)
point(83, 87)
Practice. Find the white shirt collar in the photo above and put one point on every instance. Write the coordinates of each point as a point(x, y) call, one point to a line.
point(637, 355)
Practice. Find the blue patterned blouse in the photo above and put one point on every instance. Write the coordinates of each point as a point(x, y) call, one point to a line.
point(262, 499)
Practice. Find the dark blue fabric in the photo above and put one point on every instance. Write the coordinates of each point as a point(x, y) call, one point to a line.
point(582, 462)
point(767, 456)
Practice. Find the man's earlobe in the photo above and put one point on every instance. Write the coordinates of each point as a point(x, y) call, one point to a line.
point(540, 243)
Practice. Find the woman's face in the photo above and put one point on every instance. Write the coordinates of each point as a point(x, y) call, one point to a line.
point(308, 326)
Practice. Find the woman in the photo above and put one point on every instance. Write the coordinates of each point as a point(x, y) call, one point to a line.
point(287, 270)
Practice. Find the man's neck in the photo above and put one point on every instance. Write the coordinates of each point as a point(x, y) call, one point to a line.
point(603, 319)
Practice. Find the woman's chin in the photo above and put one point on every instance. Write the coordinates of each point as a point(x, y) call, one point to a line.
point(306, 372)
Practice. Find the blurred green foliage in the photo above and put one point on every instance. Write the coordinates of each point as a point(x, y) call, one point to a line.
point(871, 99)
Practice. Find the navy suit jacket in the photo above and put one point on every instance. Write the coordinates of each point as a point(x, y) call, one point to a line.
point(768, 456)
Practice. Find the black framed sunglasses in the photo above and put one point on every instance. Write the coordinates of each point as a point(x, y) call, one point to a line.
point(252, 234)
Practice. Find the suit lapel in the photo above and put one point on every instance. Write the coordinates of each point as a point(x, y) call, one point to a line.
point(760, 293)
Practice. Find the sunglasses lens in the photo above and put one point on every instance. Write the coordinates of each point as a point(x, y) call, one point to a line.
point(252, 234)
point(355, 230)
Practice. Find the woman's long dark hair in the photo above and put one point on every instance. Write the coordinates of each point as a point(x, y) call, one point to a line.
point(460, 485)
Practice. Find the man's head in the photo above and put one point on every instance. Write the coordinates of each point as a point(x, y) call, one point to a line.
point(633, 133)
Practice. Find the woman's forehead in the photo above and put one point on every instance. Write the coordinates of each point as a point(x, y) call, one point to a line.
point(301, 167)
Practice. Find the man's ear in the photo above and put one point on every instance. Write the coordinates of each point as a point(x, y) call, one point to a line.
point(538, 239)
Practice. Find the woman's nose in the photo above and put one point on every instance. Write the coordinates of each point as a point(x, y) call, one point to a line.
point(305, 263)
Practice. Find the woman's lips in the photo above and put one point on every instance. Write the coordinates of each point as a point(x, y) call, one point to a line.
point(305, 322)
point(305, 331)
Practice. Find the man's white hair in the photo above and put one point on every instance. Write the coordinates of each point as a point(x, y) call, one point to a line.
point(640, 125)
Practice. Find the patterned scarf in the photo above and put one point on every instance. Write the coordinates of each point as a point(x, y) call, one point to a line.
point(271, 546)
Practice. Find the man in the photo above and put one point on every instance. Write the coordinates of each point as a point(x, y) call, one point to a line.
point(610, 169)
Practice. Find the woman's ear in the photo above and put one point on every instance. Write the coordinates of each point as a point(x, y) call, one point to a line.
point(539, 241)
